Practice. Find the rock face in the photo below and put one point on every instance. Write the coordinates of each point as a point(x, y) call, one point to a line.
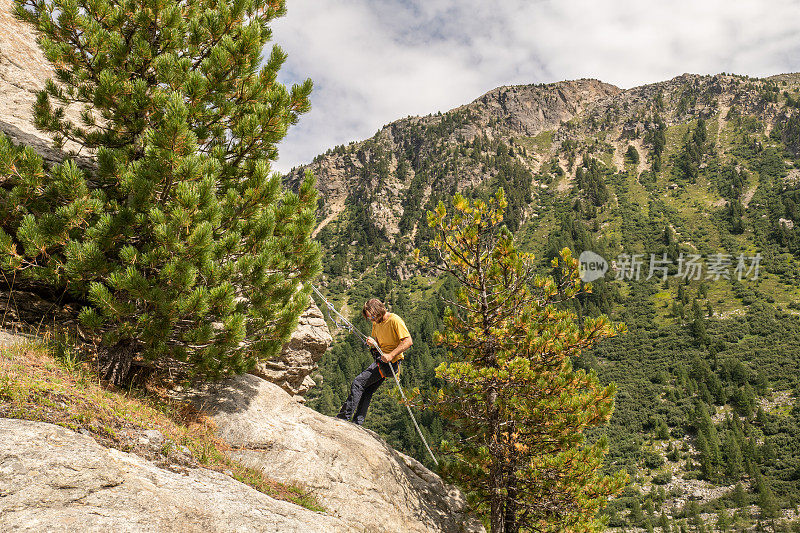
point(353, 472)
point(8, 338)
point(23, 72)
point(53, 479)
point(292, 369)
point(531, 109)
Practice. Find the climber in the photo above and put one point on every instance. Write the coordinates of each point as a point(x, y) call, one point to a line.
point(389, 339)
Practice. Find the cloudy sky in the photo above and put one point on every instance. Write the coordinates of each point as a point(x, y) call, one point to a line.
point(375, 61)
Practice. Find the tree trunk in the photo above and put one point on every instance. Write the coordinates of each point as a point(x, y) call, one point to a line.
point(511, 525)
point(496, 500)
point(511, 481)
point(114, 363)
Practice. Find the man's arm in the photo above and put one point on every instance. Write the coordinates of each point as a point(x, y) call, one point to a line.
point(405, 344)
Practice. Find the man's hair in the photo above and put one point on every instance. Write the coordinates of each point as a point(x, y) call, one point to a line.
point(374, 307)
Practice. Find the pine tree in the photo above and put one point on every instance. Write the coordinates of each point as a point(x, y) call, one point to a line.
point(663, 522)
point(632, 155)
point(708, 441)
point(181, 241)
point(656, 138)
point(723, 521)
point(767, 502)
point(739, 496)
point(510, 387)
point(734, 466)
point(662, 431)
point(693, 511)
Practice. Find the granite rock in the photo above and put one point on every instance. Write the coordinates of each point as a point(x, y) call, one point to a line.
point(354, 473)
point(54, 479)
point(292, 368)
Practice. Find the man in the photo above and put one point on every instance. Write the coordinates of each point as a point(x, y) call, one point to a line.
point(391, 338)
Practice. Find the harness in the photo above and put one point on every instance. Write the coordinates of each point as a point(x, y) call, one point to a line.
point(384, 368)
point(345, 324)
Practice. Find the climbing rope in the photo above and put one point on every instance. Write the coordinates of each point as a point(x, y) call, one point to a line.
point(405, 401)
point(345, 324)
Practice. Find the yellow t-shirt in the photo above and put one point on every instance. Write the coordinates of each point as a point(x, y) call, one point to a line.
point(390, 332)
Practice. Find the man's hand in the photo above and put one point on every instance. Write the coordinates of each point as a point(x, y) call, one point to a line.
point(384, 356)
point(405, 344)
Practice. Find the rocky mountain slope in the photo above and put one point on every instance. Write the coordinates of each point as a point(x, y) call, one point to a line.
point(521, 110)
point(553, 126)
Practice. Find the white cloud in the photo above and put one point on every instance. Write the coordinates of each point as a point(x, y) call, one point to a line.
point(374, 61)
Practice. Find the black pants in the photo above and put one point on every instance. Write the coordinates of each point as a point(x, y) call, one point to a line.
point(361, 390)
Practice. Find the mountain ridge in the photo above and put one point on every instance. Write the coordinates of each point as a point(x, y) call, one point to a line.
point(573, 111)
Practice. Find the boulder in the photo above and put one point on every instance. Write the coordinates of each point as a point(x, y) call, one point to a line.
point(53, 479)
point(292, 369)
point(8, 338)
point(354, 473)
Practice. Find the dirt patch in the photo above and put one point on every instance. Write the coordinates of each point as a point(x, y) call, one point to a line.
point(748, 195)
